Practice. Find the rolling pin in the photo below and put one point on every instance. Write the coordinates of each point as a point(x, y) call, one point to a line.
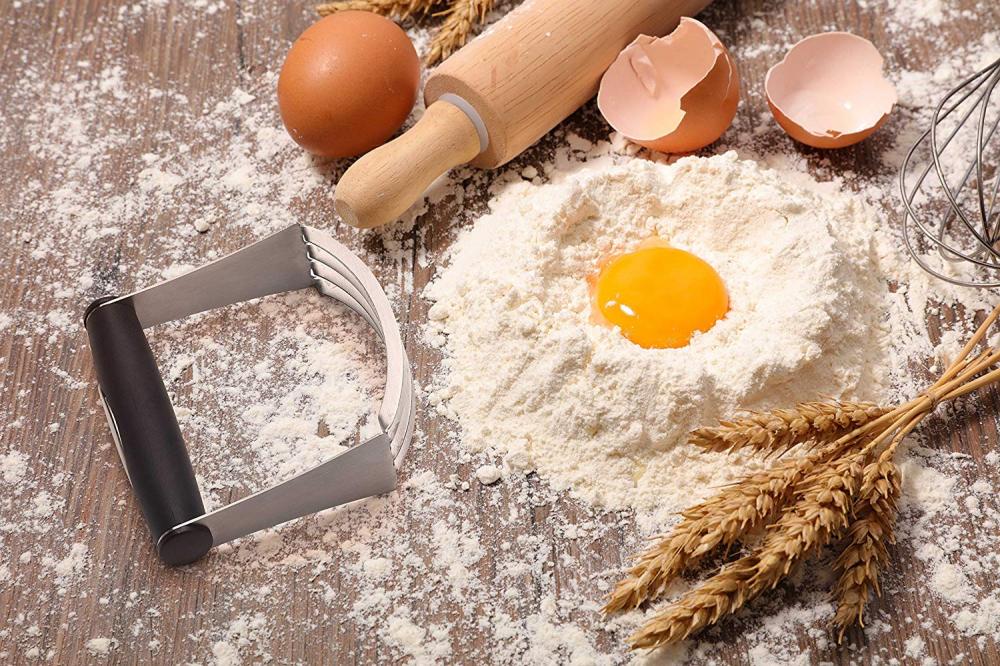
point(501, 93)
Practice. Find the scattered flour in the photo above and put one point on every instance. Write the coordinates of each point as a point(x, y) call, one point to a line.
point(13, 467)
point(70, 568)
point(914, 647)
point(101, 647)
point(488, 474)
point(242, 641)
point(423, 645)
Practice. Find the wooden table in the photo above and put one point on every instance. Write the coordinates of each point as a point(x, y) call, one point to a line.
point(72, 490)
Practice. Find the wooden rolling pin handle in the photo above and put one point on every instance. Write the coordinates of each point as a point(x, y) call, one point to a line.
point(381, 185)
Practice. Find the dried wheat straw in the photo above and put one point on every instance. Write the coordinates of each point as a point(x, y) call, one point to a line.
point(819, 514)
point(866, 552)
point(459, 20)
point(397, 8)
point(715, 523)
point(778, 430)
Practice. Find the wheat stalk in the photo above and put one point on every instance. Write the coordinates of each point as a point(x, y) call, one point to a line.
point(459, 20)
point(821, 510)
point(778, 430)
point(866, 551)
point(717, 522)
point(722, 594)
point(400, 9)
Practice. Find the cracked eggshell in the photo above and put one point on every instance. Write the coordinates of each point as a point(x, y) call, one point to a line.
point(829, 91)
point(674, 94)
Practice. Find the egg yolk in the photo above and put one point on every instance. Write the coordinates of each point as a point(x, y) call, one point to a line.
point(660, 296)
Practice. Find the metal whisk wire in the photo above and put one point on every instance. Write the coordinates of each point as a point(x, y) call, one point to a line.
point(986, 229)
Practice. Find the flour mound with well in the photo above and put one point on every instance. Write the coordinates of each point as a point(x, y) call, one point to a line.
point(527, 373)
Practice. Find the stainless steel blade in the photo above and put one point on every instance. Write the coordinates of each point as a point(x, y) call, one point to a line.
point(363, 471)
point(276, 264)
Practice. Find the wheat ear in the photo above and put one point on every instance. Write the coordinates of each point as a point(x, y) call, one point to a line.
point(778, 430)
point(820, 513)
point(866, 550)
point(397, 8)
point(459, 19)
point(717, 522)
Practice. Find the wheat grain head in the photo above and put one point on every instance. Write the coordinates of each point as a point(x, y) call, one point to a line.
point(397, 8)
point(820, 513)
point(715, 523)
point(865, 551)
point(778, 430)
point(459, 20)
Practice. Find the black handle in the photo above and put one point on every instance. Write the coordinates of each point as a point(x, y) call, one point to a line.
point(152, 447)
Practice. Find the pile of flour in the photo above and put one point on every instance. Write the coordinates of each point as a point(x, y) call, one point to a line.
point(528, 374)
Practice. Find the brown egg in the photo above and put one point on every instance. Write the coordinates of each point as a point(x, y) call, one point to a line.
point(348, 83)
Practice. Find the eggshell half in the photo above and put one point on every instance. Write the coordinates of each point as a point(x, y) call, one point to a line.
point(673, 94)
point(829, 91)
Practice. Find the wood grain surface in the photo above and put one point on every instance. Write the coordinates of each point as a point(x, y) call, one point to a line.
point(48, 401)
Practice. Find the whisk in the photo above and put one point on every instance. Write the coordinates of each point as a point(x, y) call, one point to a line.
point(968, 230)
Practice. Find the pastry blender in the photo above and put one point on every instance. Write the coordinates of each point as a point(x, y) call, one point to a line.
point(145, 428)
